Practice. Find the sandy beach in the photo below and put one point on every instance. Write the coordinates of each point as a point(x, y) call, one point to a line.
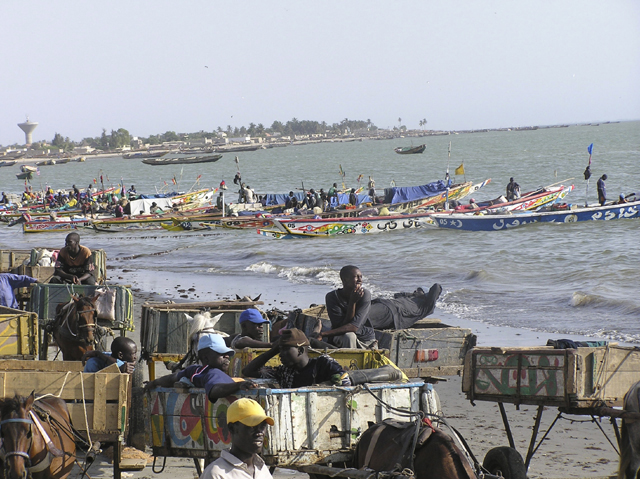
point(575, 448)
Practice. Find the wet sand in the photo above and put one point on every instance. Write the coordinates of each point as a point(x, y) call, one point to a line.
point(573, 449)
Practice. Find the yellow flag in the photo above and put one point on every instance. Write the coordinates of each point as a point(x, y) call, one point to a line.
point(460, 170)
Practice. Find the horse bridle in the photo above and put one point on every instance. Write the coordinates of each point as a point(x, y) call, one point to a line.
point(80, 326)
point(22, 454)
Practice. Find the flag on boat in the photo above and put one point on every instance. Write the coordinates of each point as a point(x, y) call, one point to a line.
point(590, 150)
point(460, 170)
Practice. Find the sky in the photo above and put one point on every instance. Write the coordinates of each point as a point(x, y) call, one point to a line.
point(78, 67)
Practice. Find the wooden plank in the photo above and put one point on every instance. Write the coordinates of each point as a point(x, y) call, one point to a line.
point(197, 306)
point(77, 413)
point(20, 365)
point(99, 402)
point(65, 385)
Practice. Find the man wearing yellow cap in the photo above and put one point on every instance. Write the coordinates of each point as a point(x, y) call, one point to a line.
point(247, 423)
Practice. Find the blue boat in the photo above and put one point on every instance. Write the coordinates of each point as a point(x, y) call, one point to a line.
point(488, 222)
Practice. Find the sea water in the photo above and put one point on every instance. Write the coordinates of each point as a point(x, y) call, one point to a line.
point(552, 278)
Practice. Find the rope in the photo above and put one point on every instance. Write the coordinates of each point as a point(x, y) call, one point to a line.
point(84, 406)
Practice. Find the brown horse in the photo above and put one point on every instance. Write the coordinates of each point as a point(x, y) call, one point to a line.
point(630, 436)
point(394, 445)
point(37, 438)
point(74, 327)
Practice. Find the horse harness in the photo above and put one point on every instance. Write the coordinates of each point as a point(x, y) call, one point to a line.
point(66, 311)
point(52, 450)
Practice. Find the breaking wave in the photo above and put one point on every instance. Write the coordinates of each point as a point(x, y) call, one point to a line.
point(299, 274)
point(619, 306)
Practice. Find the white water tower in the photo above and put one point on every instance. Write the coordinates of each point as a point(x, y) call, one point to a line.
point(28, 127)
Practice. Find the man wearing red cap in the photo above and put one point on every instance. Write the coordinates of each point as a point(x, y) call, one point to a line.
point(247, 423)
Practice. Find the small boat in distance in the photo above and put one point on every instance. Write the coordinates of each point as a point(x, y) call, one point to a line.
point(7, 163)
point(410, 150)
point(145, 154)
point(181, 160)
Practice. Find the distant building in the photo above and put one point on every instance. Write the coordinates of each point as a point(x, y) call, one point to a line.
point(83, 150)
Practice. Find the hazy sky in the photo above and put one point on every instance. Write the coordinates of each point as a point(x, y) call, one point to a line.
point(77, 67)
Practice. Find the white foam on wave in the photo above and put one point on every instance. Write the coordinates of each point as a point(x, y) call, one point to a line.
point(298, 274)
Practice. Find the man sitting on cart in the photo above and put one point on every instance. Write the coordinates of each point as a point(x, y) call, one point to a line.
point(247, 423)
point(211, 375)
point(251, 330)
point(74, 264)
point(297, 369)
point(123, 353)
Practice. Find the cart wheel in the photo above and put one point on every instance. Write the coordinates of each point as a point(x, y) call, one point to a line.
point(506, 462)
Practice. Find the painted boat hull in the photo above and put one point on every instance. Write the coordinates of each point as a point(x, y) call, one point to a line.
point(351, 226)
point(55, 226)
point(469, 222)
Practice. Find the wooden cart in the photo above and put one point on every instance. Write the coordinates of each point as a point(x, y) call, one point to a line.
point(19, 334)
point(314, 426)
point(98, 402)
point(583, 381)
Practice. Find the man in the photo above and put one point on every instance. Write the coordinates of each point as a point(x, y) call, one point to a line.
point(353, 198)
point(212, 375)
point(292, 201)
point(404, 309)
point(252, 327)
point(220, 201)
point(123, 353)
point(249, 195)
point(348, 309)
point(247, 423)
point(297, 369)
point(74, 264)
point(9, 282)
point(513, 190)
point(602, 190)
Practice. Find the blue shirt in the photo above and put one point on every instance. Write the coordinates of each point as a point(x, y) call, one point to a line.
point(205, 376)
point(96, 364)
point(9, 282)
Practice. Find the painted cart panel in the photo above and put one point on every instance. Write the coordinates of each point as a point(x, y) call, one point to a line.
point(312, 425)
point(18, 334)
point(46, 297)
point(582, 377)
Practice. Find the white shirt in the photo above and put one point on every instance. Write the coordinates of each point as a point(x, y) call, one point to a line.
point(229, 466)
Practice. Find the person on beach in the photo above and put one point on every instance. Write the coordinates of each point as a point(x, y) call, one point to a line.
point(252, 328)
point(211, 375)
point(513, 190)
point(297, 369)
point(404, 309)
point(74, 265)
point(348, 309)
point(602, 190)
point(124, 353)
point(247, 423)
point(8, 283)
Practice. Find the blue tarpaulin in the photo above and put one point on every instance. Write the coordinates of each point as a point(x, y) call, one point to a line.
point(401, 194)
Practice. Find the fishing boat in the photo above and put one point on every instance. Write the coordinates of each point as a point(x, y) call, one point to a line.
point(236, 149)
point(7, 163)
point(145, 154)
point(25, 168)
point(555, 214)
point(410, 150)
point(25, 175)
point(53, 161)
point(181, 160)
point(43, 226)
point(351, 226)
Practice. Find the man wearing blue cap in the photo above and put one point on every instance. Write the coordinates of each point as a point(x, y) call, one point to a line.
point(211, 375)
point(252, 327)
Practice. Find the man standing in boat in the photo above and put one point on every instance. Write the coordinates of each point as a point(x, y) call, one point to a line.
point(513, 190)
point(74, 264)
point(602, 190)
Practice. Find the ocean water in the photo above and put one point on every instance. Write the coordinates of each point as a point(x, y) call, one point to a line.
point(567, 279)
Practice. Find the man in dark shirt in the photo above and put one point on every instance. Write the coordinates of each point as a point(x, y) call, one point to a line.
point(212, 375)
point(348, 309)
point(602, 191)
point(74, 264)
point(297, 369)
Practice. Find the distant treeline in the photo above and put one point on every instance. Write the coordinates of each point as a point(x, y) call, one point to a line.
point(121, 137)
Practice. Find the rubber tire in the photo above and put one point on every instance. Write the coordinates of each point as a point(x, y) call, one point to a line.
point(506, 462)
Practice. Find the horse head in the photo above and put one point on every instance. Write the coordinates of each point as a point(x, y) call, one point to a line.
point(17, 433)
point(86, 317)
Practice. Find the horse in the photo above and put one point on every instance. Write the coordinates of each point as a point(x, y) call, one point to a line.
point(37, 438)
point(630, 436)
point(429, 452)
point(74, 327)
